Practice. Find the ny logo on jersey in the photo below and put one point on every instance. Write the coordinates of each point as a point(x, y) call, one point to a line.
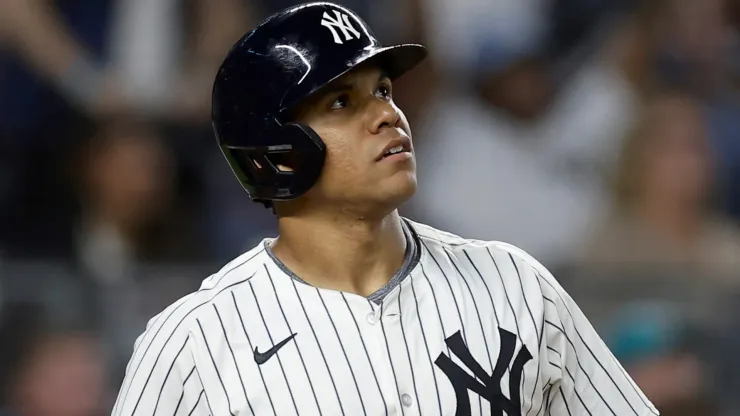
point(339, 21)
point(490, 389)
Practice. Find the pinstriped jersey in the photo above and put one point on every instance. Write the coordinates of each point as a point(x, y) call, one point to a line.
point(465, 328)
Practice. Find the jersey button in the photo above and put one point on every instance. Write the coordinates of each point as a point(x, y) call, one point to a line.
point(406, 400)
point(371, 318)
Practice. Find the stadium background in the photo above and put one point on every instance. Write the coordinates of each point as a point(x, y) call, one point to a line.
point(602, 136)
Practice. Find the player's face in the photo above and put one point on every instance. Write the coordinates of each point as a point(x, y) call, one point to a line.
point(370, 160)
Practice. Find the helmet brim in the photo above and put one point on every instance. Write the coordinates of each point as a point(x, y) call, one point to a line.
point(395, 60)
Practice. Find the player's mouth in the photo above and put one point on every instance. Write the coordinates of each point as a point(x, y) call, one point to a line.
point(396, 149)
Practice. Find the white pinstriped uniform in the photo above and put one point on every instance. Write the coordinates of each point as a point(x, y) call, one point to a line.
point(384, 355)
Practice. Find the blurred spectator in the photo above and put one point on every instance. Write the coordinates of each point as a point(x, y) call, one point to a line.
point(66, 63)
point(666, 357)
point(48, 370)
point(484, 172)
point(126, 178)
point(699, 50)
point(662, 243)
point(599, 100)
point(663, 189)
point(521, 154)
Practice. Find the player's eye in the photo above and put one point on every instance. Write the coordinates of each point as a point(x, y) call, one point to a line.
point(384, 91)
point(341, 102)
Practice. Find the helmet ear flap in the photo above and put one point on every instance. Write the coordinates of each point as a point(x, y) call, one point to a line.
point(283, 170)
point(299, 158)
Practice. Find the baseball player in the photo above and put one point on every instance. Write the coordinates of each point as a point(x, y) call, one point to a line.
point(354, 310)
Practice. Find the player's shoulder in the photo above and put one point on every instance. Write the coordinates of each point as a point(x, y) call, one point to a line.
point(244, 266)
point(435, 240)
point(182, 314)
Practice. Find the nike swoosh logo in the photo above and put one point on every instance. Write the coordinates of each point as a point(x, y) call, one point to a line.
point(262, 357)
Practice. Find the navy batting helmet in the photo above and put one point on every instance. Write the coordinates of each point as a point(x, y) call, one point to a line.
point(273, 68)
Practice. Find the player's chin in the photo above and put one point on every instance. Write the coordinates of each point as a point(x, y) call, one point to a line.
point(399, 186)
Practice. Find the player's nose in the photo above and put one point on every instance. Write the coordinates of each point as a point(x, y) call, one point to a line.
point(382, 114)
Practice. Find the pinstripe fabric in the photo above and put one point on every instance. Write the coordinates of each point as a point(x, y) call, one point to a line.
point(430, 346)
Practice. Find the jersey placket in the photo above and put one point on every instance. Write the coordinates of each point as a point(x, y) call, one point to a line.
point(376, 345)
point(394, 350)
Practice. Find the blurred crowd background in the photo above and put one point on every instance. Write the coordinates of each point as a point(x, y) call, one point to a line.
point(601, 136)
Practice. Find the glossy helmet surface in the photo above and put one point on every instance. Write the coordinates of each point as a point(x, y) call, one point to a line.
point(273, 68)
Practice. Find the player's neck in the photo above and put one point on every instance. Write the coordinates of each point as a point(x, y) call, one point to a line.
point(342, 253)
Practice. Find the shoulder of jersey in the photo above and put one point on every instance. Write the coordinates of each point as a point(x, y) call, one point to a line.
point(239, 270)
point(433, 238)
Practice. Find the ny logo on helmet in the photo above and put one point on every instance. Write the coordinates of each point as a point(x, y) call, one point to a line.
point(339, 21)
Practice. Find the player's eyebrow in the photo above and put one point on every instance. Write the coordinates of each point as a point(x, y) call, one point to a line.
point(348, 86)
point(338, 87)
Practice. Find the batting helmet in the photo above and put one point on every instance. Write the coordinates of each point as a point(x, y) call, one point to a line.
point(273, 68)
